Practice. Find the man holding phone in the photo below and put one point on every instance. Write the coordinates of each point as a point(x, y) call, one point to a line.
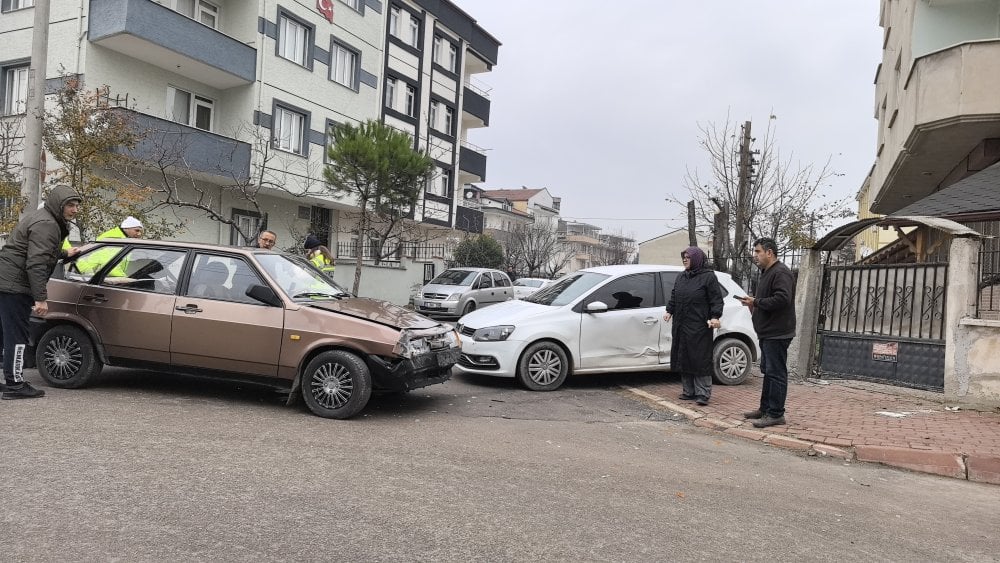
point(773, 311)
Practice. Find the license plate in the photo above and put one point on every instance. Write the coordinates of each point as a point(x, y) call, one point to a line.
point(431, 305)
point(448, 357)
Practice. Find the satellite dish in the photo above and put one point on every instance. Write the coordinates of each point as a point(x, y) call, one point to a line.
point(469, 194)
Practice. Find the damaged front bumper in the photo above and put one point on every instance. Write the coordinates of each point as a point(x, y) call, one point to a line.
point(404, 374)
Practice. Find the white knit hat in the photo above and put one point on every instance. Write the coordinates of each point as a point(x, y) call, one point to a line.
point(131, 222)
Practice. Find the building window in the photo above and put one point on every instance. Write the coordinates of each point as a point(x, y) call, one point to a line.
point(399, 18)
point(11, 5)
point(247, 221)
point(199, 10)
point(445, 53)
point(344, 66)
point(15, 90)
point(449, 119)
point(411, 101)
point(289, 130)
point(390, 93)
point(294, 40)
point(452, 57)
point(414, 39)
point(394, 15)
point(190, 109)
point(330, 124)
point(432, 118)
point(356, 4)
point(440, 184)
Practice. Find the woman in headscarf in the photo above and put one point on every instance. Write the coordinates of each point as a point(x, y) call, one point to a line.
point(695, 306)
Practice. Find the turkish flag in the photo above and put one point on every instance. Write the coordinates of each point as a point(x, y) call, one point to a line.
point(325, 7)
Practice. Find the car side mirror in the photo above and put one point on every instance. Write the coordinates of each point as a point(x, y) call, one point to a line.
point(264, 294)
point(596, 307)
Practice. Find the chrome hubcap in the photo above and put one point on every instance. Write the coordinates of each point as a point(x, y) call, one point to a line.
point(62, 357)
point(331, 386)
point(544, 367)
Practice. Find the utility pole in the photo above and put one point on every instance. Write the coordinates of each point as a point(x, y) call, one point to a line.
point(35, 115)
point(745, 171)
point(692, 236)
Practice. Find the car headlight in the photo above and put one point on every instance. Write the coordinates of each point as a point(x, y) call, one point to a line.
point(454, 296)
point(493, 333)
point(408, 347)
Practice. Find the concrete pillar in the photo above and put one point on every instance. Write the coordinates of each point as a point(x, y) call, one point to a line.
point(960, 301)
point(802, 351)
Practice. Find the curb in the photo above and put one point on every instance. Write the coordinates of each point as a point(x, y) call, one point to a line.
point(970, 467)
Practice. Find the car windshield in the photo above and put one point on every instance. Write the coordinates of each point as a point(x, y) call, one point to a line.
point(525, 282)
point(455, 277)
point(299, 279)
point(566, 289)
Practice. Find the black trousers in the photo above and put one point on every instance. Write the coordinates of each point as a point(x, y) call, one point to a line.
point(774, 365)
point(15, 310)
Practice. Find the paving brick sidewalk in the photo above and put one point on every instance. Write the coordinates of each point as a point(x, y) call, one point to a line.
point(855, 420)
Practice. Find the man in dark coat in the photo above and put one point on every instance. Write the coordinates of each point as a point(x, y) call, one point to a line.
point(695, 306)
point(773, 309)
point(26, 263)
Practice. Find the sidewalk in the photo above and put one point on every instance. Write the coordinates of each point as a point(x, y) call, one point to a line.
point(856, 421)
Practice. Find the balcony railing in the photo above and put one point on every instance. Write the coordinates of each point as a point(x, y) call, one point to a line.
point(476, 105)
point(988, 296)
point(411, 251)
point(472, 161)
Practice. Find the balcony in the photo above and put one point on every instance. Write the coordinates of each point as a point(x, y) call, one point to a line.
point(159, 36)
point(208, 156)
point(476, 104)
point(947, 107)
point(471, 160)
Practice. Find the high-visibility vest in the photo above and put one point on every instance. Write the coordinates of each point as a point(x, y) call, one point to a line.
point(323, 263)
point(94, 261)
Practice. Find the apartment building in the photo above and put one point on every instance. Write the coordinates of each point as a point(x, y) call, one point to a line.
point(935, 98)
point(244, 92)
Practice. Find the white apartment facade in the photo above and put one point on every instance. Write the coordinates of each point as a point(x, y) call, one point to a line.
point(235, 79)
point(935, 98)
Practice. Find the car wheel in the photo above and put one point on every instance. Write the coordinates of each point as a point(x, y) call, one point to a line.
point(469, 307)
point(336, 384)
point(543, 367)
point(66, 357)
point(731, 361)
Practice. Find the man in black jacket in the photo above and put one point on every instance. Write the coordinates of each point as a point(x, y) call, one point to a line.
point(26, 263)
point(773, 310)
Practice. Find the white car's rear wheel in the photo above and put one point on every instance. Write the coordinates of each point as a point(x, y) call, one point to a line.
point(731, 361)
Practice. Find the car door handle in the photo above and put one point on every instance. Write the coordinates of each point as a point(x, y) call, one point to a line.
point(97, 298)
point(189, 309)
point(649, 320)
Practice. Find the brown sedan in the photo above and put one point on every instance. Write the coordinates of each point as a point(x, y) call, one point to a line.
point(236, 312)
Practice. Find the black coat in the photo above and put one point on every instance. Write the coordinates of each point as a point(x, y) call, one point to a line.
point(35, 245)
point(695, 300)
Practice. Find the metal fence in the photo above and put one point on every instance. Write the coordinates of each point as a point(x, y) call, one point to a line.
point(988, 296)
point(893, 300)
point(384, 254)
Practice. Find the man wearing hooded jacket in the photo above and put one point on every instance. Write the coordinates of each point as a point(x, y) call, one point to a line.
point(26, 263)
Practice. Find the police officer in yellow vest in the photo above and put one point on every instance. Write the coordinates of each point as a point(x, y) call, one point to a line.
point(319, 255)
point(94, 261)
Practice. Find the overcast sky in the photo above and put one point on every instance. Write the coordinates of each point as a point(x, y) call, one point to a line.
point(600, 101)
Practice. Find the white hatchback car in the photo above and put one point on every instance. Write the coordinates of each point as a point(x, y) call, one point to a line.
point(598, 320)
point(524, 287)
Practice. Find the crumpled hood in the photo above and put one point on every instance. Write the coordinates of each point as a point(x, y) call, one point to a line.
point(378, 311)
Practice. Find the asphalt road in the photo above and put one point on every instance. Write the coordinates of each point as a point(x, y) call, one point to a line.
point(146, 466)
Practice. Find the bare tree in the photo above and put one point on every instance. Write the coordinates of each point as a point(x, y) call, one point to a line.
point(11, 145)
point(534, 249)
point(177, 184)
point(782, 198)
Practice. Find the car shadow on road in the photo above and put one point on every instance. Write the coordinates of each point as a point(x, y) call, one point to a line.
point(579, 382)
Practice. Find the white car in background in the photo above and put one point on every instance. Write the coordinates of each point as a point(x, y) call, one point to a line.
point(599, 320)
point(524, 287)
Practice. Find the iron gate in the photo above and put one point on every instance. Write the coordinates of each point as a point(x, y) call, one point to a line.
point(885, 323)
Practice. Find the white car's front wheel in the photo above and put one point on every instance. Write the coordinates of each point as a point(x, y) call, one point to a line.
point(731, 361)
point(543, 367)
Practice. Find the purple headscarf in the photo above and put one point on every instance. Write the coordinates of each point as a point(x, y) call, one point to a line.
point(696, 256)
